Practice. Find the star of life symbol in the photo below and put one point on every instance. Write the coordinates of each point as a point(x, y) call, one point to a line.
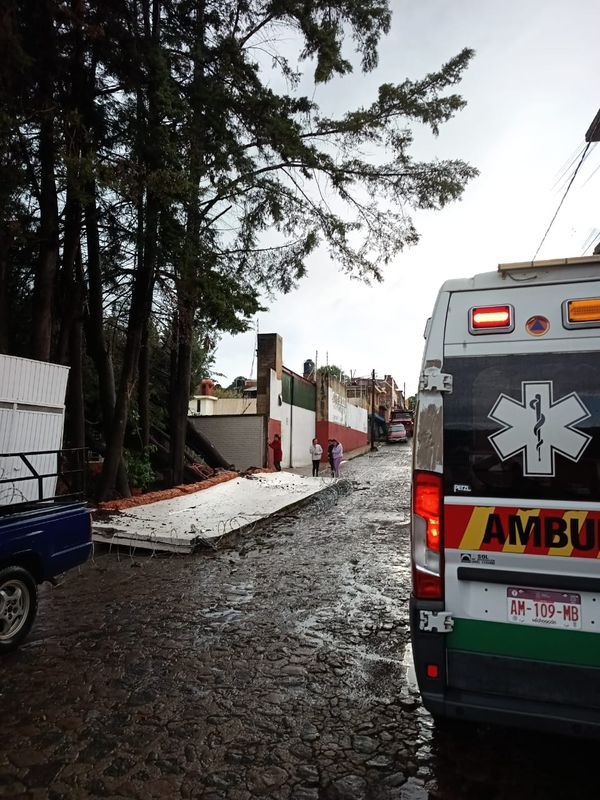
point(539, 428)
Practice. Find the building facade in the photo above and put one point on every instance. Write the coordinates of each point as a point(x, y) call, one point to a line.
point(296, 407)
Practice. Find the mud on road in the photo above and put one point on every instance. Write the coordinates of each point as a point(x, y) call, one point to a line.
point(276, 666)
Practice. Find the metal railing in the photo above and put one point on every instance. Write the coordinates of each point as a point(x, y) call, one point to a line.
point(70, 474)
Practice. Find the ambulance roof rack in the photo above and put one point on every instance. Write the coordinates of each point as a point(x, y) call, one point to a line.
point(553, 262)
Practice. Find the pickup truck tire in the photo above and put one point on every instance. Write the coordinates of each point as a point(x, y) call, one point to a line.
point(18, 606)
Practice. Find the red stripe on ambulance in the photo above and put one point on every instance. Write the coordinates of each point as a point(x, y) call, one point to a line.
point(549, 531)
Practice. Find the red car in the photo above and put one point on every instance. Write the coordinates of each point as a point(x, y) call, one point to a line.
point(405, 417)
point(396, 432)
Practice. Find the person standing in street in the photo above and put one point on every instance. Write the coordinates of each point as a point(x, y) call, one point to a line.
point(337, 453)
point(275, 445)
point(316, 451)
point(330, 447)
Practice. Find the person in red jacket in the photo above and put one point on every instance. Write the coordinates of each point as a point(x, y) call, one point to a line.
point(277, 451)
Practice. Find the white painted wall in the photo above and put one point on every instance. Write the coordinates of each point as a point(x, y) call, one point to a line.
point(276, 389)
point(303, 432)
point(297, 433)
point(222, 405)
point(344, 412)
point(337, 407)
point(357, 418)
point(235, 405)
point(286, 419)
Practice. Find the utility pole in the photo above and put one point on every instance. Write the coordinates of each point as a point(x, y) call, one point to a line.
point(373, 411)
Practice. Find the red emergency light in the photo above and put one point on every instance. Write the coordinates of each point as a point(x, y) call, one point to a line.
point(491, 319)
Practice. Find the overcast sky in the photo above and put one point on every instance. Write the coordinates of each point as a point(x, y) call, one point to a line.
point(532, 92)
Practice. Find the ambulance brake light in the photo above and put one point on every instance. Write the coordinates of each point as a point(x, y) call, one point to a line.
point(427, 536)
point(428, 503)
point(491, 319)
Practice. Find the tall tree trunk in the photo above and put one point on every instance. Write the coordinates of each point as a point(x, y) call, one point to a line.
point(144, 389)
point(143, 281)
point(69, 310)
point(141, 302)
point(144, 360)
point(96, 340)
point(74, 103)
point(181, 392)
point(186, 286)
point(5, 241)
point(94, 327)
point(75, 420)
point(173, 358)
point(45, 275)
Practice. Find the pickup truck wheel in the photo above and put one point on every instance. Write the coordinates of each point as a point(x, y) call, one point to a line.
point(18, 605)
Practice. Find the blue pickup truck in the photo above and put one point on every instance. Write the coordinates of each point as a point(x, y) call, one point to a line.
point(40, 539)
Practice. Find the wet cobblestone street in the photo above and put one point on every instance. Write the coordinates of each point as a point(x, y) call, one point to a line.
point(274, 667)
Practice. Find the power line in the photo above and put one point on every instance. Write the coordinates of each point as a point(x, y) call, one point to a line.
point(591, 238)
point(581, 160)
point(569, 163)
point(591, 176)
point(592, 243)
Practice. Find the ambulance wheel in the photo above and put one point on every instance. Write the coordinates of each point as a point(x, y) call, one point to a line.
point(18, 606)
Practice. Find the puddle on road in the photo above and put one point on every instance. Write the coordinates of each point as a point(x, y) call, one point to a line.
point(364, 626)
point(227, 611)
point(410, 686)
point(399, 517)
point(222, 614)
point(387, 521)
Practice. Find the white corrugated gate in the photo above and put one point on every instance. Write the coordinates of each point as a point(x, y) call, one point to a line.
point(32, 395)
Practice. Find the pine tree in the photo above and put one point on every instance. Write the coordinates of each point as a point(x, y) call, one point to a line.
point(162, 161)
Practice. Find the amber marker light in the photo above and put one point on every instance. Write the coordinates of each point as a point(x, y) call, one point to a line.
point(584, 310)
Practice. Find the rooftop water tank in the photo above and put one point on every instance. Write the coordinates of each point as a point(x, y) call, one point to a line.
point(309, 368)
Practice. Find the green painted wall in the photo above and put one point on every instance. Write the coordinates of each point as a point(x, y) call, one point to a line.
point(297, 392)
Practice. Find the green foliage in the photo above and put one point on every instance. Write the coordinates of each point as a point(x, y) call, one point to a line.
point(227, 393)
point(188, 141)
point(237, 386)
point(331, 371)
point(139, 467)
point(412, 402)
point(187, 112)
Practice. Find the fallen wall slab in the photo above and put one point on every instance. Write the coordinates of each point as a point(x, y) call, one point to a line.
point(186, 522)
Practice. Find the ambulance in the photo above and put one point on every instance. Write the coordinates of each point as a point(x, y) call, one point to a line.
point(505, 539)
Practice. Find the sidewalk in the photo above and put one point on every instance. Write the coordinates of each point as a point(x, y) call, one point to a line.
point(184, 523)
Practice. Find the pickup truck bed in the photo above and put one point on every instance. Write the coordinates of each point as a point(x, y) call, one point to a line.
point(37, 543)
